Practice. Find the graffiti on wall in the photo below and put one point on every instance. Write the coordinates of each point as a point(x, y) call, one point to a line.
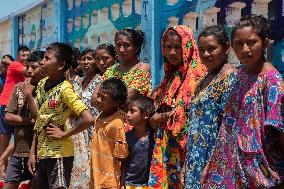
point(36, 27)
point(92, 22)
point(5, 38)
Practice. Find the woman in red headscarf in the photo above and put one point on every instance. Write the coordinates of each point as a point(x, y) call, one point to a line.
point(183, 72)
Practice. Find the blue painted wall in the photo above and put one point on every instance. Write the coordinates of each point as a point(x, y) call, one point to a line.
point(90, 23)
point(87, 23)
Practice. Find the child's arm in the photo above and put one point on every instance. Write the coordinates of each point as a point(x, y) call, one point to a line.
point(159, 118)
point(32, 156)
point(85, 122)
point(91, 185)
point(14, 119)
point(11, 110)
point(122, 177)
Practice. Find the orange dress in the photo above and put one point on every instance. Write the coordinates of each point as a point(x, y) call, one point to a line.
point(107, 147)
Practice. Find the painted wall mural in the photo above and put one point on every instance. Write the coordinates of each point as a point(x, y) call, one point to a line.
point(5, 38)
point(38, 27)
point(87, 23)
point(92, 22)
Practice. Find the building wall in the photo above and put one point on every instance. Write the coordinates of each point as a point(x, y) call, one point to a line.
point(90, 23)
point(5, 37)
point(87, 23)
point(39, 27)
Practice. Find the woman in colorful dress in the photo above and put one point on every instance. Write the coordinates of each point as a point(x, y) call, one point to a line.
point(183, 72)
point(84, 87)
point(134, 73)
point(207, 105)
point(249, 149)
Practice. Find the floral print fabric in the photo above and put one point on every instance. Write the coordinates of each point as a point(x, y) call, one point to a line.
point(206, 112)
point(135, 79)
point(176, 90)
point(80, 176)
point(245, 156)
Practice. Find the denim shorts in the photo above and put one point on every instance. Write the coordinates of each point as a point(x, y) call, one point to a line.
point(17, 170)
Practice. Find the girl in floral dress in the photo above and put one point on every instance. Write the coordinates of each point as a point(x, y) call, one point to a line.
point(249, 149)
point(84, 87)
point(206, 107)
point(183, 72)
point(134, 73)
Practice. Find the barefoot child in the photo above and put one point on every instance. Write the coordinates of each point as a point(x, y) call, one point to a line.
point(140, 142)
point(108, 146)
point(17, 114)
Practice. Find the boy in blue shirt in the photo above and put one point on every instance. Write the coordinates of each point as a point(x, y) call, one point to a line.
point(140, 142)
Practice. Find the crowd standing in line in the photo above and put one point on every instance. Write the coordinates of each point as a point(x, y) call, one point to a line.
point(91, 119)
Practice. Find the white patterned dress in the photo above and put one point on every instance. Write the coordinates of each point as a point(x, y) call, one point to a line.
point(81, 166)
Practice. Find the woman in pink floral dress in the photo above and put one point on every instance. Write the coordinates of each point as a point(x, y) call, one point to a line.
point(249, 149)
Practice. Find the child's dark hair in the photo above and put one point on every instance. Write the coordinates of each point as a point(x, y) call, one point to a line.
point(258, 23)
point(135, 36)
point(63, 52)
point(36, 56)
point(145, 104)
point(218, 32)
point(9, 56)
point(23, 48)
point(116, 88)
point(108, 47)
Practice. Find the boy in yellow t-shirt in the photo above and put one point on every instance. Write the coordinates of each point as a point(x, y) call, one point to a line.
point(56, 100)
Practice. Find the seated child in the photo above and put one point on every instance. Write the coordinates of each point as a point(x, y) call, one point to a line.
point(18, 115)
point(108, 146)
point(140, 142)
point(56, 99)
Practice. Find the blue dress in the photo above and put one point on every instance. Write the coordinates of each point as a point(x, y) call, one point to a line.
point(206, 112)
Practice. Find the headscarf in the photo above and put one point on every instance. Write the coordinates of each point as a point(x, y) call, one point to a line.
point(178, 85)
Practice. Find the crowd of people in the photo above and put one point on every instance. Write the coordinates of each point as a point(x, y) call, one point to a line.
point(91, 119)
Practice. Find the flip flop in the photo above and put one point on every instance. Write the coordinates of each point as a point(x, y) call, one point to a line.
point(24, 186)
point(1, 183)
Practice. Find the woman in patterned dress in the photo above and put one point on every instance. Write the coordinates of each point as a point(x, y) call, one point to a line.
point(134, 73)
point(249, 149)
point(183, 72)
point(207, 105)
point(84, 87)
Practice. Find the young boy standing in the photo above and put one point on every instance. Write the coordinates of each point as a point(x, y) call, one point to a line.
point(17, 114)
point(140, 142)
point(108, 146)
point(56, 100)
point(15, 74)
